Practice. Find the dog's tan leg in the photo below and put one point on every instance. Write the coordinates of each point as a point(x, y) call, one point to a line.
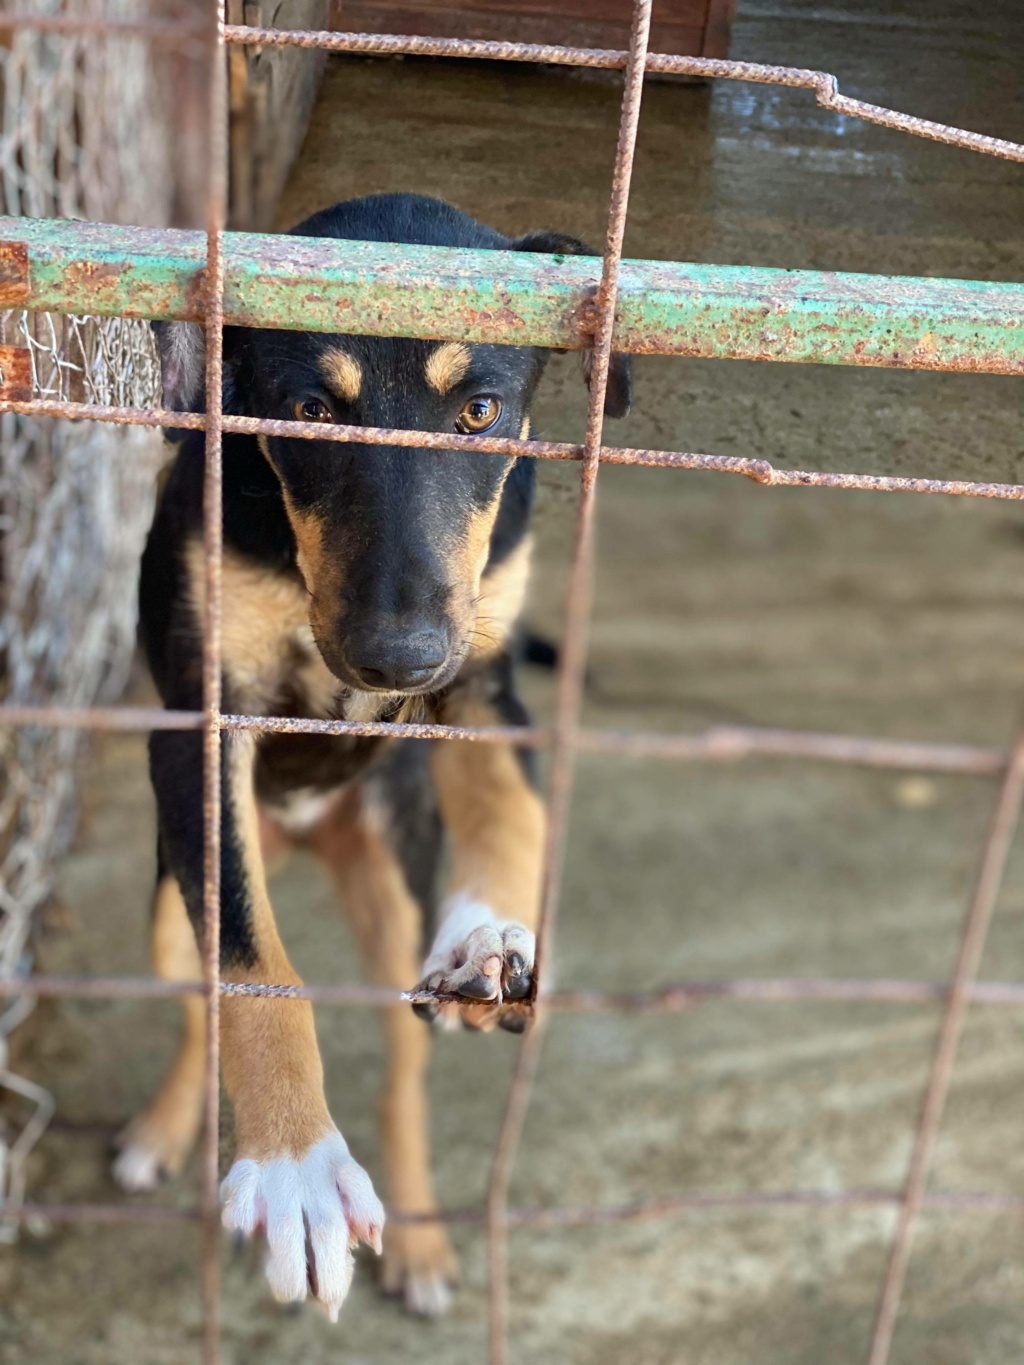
point(294, 1176)
point(419, 1262)
point(157, 1142)
point(484, 947)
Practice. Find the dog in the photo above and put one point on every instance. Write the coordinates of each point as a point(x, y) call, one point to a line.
point(361, 582)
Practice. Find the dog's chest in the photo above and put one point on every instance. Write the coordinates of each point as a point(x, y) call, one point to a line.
point(299, 777)
point(270, 659)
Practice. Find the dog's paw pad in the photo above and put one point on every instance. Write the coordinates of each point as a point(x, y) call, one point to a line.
point(314, 1211)
point(471, 967)
point(485, 962)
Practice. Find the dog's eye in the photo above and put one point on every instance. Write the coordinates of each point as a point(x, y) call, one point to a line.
point(311, 410)
point(478, 415)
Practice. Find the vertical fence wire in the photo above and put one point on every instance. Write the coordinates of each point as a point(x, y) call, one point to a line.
point(990, 877)
point(212, 547)
point(570, 689)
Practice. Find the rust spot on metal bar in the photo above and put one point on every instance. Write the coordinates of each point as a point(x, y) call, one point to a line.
point(93, 274)
point(15, 373)
point(506, 320)
point(14, 279)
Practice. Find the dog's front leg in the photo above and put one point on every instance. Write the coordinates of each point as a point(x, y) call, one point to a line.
point(294, 1177)
point(483, 950)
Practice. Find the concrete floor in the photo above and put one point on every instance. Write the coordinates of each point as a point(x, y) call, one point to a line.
point(717, 600)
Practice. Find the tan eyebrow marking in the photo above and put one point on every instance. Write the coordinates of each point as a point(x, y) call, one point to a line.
point(447, 365)
point(343, 373)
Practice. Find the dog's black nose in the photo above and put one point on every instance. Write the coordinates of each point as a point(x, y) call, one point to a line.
point(396, 663)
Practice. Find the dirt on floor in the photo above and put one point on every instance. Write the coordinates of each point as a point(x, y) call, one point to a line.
point(717, 600)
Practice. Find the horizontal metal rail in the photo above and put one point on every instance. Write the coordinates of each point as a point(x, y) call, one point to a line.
point(526, 298)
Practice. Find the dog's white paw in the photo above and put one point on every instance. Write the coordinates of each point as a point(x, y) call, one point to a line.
point(137, 1169)
point(419, 1267)
point(485, 961)
point(314, 1211)
point(155, 1145)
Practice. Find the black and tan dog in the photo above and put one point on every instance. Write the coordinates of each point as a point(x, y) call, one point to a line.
point(365, 582)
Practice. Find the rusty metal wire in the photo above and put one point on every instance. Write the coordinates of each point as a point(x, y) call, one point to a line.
point(212, 554)
point(674, 998)
point(720, 744)
point(565, 739)
point(570, 689)
point(759, 471)
point(979, 916)
point(824, 85)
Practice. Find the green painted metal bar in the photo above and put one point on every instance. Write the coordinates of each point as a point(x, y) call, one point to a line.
point(522, 298)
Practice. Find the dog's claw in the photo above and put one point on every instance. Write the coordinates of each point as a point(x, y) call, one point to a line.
point(518, 980)
point(481, 988)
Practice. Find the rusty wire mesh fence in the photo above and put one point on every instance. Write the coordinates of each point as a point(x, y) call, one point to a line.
point(566, 738)
point(80, 136)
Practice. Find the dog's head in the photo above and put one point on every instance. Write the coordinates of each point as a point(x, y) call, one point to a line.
point(392, 542)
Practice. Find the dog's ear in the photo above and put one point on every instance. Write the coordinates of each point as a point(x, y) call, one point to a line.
point(619, 394)
point(182, 348)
